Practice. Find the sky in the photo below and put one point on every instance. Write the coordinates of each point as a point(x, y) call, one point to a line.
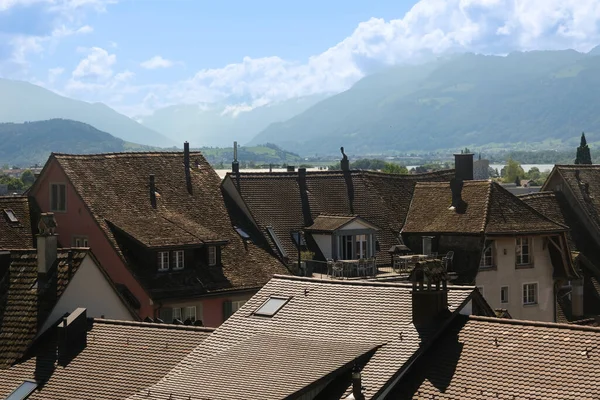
point(140, 55)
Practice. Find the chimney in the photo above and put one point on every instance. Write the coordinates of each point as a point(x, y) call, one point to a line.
point(429, 292)
point(152, 191)
point(291, 168)
point(344, 163)
point(72, 335)
point(463, 166)
point(357, 383)
point(308, 221)
point(186, 163)
point(46, 243)
point(456, 186)
point(235, 165)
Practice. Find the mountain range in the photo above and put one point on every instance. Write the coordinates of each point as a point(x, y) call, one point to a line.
point(538, 99)
point(220, 125)
point(23, 102)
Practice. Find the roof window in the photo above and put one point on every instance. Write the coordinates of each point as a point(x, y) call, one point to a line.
point(271, 306)
point(23, 391)
point(11, 215)
point(242, 233)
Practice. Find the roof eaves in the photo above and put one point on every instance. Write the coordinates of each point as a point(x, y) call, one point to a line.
point(523, 322)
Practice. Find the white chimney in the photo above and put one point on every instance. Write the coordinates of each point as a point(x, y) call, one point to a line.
point(47, 243)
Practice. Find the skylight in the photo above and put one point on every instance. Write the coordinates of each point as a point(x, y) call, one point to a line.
point(242, 233)
point(11, 215)
point(271, 306)
point(23, 391)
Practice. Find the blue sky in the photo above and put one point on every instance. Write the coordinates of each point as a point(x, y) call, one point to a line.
point(139, 55)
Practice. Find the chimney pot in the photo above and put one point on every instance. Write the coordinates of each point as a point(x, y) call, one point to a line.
point(235, 165)
point(463, 166)
point(47, 243)
point(152, 191)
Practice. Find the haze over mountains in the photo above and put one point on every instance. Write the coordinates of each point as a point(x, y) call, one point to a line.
point(540, 99)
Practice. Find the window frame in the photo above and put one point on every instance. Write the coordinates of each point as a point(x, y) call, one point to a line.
point(519, 251)
point(58, 195)
point(178, 255)
point(502, 299)
point(236, 305)
point(179, 312)
point(21, 395)
point(83, 239)
point(485, 257)
point(212, 258)
point(186, 313)
point(161, 261)
point(525, 294)
point(361, 243)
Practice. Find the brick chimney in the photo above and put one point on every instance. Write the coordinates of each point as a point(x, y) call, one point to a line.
point(429, 292)
point(235, 165)
point(186, 164)
point(47, 242)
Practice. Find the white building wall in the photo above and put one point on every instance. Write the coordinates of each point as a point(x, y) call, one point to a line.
point(324, 243)
point(506, 274)
point(89, 288)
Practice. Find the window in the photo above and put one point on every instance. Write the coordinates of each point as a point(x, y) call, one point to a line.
point(189, 313)
point(487, 257)
point(530, 293)
point(11, 215)
point(236, 305)
point(523, 254)
point(80, 241)
point(179, 257)
point(23, 391)
point(163, 260)
point(346, 247)
point(242, 233)
point(271, 306)
point(177, 313)
point(361, 246)
point(212, 255)
point(58, 197)
point(504, 294)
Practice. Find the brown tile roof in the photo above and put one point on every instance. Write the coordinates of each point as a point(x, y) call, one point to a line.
point(120, 202)
point(25, 305)
point(488, 358)
point(584, 183)
point(120, 359)
point(488, 208)
point(330, 223)
point(276, 199)
point(15, 235)
point(321, 318)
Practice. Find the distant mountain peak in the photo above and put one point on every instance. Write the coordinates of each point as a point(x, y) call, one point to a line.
point(595, 51)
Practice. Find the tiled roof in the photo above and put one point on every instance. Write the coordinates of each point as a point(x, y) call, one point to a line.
point(23, 309)
point(19, 234)
point(330, 223)
point(120, 202)
point(120, 359)
point(487, 208)
point(584, 183)
point(487, 358)
point(326, 322)
point(276, 200)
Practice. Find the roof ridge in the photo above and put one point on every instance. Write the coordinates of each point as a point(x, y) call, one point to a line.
point(524, 322)
point(488, 203)
point(358, 282)
point(576, 166)
point(152, 325)
point(537, 194)
point(124, 154)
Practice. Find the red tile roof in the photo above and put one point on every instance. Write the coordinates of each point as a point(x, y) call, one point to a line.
point(489, 358)
point(16, 235)
point(488, 208)
point(322, 326)
point(120, 359)
point(120, 202)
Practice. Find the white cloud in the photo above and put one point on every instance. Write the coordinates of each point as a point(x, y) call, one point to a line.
point(96, 66)
point(157, 62)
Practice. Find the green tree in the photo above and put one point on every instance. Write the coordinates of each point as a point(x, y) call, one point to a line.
point(583, 152)
point(27, 178)
point(512, 171)
point(392, 168)
point(534, 174)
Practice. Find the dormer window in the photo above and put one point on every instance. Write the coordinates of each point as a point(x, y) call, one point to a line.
point(212, 256)
point(163, 260)
point(178, 262)
point(10, 215)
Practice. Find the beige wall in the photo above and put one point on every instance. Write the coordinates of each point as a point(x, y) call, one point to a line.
point(90, 289)
point(505, 274)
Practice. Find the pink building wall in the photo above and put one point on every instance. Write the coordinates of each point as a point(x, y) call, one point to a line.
point(77, 221)
point(213, 311)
